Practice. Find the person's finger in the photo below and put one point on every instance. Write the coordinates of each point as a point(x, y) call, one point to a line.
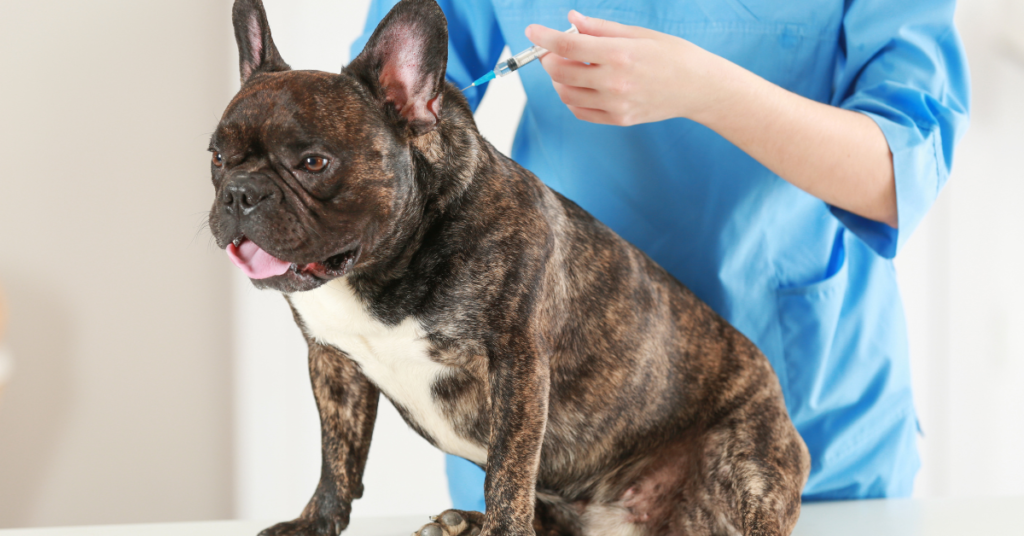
point(594, 116)
point(604, 28)
point(579, 47)
point(570, 73)
point(579, 96)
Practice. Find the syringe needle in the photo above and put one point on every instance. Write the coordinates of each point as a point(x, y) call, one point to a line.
point(514, 63)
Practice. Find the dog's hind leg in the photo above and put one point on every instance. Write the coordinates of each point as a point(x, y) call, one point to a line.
point(741, 475)
point(752, 468)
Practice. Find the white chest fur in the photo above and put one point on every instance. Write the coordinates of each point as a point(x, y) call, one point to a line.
point(396, 358)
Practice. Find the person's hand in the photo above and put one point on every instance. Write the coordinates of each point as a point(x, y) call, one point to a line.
point(615, 74)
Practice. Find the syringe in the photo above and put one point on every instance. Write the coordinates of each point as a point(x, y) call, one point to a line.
point(511, 65)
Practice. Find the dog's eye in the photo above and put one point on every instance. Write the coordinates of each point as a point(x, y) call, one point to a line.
point(218, 159)
point(315, 164)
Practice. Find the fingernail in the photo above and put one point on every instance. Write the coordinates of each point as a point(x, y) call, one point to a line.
point(580, 14)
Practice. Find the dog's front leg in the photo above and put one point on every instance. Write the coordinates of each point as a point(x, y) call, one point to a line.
point(519, 380)
point(348, 408)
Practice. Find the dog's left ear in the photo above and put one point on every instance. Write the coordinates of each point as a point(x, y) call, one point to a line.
point(404, 63)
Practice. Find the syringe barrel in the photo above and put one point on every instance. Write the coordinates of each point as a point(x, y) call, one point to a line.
point(503, 69)
point(526, 56)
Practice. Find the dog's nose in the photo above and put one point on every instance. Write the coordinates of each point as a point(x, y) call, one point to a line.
point(242, 194)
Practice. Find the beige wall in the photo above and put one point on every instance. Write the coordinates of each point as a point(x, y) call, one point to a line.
point(119, 407)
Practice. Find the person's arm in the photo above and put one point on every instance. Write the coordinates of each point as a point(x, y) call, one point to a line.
point(625, 75)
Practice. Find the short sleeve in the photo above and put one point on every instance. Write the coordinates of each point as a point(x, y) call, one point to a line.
point(902, 64)
point(475, 40)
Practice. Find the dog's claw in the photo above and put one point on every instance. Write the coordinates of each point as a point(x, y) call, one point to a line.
point(452, 519)
point(432, 529)
point(453, 523)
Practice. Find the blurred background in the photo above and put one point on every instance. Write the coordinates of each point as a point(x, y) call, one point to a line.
point(151, 382)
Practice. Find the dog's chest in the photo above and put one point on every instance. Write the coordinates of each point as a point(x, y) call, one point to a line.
point(395, 358)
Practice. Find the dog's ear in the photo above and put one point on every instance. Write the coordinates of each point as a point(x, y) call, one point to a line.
point(404, 62)
point(256, 50)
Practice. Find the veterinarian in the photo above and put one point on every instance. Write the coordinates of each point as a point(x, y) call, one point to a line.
point(774, 157)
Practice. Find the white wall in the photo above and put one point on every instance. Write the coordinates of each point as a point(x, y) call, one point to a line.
point(961, 279)
point(119, 409)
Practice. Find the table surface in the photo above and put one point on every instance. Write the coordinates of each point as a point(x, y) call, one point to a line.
point(890, 517)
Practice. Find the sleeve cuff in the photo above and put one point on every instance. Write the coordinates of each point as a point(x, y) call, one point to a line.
point(919, 176)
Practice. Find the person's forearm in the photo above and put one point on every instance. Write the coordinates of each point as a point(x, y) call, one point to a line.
point(836, 155)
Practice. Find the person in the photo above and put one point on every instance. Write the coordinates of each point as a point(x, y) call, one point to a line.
point(774, 157)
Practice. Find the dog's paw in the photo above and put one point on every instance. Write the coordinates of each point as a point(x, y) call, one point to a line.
point(453, 523)
point(305, 527)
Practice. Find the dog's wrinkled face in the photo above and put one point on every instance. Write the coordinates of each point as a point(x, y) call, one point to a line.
point(305, 175)
point(309, 166)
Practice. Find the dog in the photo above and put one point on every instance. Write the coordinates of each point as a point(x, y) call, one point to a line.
point(506, 324)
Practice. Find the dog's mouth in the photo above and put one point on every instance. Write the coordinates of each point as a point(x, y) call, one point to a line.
point(256, 263)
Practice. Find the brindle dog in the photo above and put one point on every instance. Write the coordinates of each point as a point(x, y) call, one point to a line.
point(506, 324)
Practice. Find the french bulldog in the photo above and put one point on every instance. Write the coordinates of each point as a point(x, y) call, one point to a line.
point(505, 323)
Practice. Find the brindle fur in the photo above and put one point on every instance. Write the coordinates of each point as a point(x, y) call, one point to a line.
point(603, 390)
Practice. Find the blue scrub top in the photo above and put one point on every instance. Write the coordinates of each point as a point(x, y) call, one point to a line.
point(812, 285)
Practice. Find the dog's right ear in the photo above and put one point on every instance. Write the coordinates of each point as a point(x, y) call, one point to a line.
point(256, 50)
point(404, 61)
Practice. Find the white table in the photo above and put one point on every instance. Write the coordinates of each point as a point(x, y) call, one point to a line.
point(893, 517)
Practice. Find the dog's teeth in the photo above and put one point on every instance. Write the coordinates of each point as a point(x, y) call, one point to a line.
point(237, 242)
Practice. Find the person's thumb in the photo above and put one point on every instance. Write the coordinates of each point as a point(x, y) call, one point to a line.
point(602, 28)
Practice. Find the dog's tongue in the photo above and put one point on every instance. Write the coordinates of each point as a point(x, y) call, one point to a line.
point(255, 262)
